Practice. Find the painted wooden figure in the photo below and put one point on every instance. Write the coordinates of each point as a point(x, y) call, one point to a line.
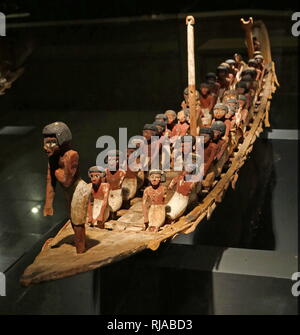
point(63, 168)
point(98, 208)
point(154, 202)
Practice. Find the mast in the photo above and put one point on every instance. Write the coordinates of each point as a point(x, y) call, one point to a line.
point(247, 25)
point(190, 21)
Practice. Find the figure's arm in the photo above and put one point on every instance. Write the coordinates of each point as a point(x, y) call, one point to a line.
point(106, 190)
point(145, 206)
point(50, 194)
point(65, 175)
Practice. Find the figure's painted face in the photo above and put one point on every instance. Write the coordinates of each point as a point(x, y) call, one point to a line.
point(217, 134)
point(155, 179)
point(171, 118)
point(113, 162)
point(219, 113)
point(181, 117)
point(148, 133)
point(51, 146)
point(95, 178)
point(204, 90)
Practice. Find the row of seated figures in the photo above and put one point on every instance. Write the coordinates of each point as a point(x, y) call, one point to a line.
point(223, 107)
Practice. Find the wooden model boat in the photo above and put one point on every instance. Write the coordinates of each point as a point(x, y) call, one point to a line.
point(125, 236)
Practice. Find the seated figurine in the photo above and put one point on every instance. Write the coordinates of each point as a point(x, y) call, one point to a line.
point(232, 69)
point(186, 184)
point(260, 61)
point(214, 86)
point(240, 64)
point(114, 177)
point(98, 209)
point(130, 182)
point(172, 119)
point(252, 64)
point(206, 104)
point(242, 88)
point(219, 129)
point(224, 78)
point(210, 148)
point(182, 127)
point(220, 111)
point(154, 202)
point(231, 114)
point(242, 113)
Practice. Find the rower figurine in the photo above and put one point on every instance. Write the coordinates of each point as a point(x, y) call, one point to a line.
point(130, 182)
point(210, 148)
point(206, 104)
point(219, 128)
point(63, 167)
point(186, 186)
point(220, 111)
point(182, 127)
point(98, 209)
point(154, 202)
point(114, 177)
point(172, 119)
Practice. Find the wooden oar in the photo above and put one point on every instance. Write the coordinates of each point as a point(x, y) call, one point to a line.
point(247, 25)
point(190, 21)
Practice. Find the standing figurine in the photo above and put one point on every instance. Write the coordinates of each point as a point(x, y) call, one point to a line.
point(98, 210)
point(63, 167)
point(154, 202)
point(114, 177)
